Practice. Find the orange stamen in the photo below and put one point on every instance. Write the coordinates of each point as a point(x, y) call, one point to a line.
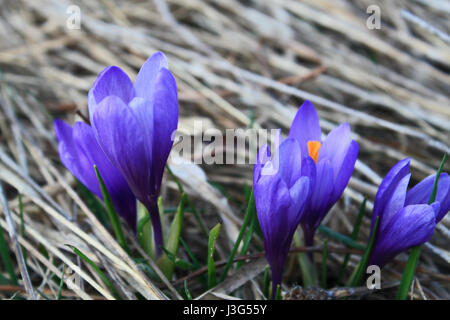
point(313, 149)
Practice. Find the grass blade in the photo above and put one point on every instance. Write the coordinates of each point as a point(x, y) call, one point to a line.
point(248, 215)
point(349, 242)
point(186, 291)
point(6, 258)
point(96, 268)
point(113, 216)
point(61, 283)
point(354, 235)
point(93, 203)
point(213, 235)
point(248, 237)
point(357, 276)
point(191, 255)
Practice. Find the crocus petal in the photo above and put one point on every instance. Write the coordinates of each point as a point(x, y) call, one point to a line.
point(125, 142)
point(146, 78)
point(411, 226)
point(123, 199)
point(335, 147)
point(421, 192)
point(79, 152)
point(271, 199)
point(305, 126)
point(346, 170)
point(395, 201)
point(288, 158)
point(165, 108)
point(387, 186)
point(68, 152)
point(319, 203)
point(436, 207)
point(299, 192)
point(111, 81)
point(309, 170)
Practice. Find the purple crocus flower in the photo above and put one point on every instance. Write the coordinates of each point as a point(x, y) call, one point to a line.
point(281, 188)
point(405, 218)
point(79, 152)
point(134, 125)
point(334, 159)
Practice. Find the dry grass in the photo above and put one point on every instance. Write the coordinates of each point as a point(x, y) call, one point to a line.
point(233, 61)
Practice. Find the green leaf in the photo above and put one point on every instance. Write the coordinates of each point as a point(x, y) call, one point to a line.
point(355, 232)
point(61, 283)
point(96, 269)
point(213, 235)
point(94, 204)
point(248, 215)
point(436, 181)
point(357, 276)
point(6, 258)
point(113, 216)
point(180, 263)
point(248, 237)
point(278, 293)
point(186, 291)
point(4, 280)
point(413, 259)
point(173, 241)
point(191, 255)
point(145, 230)
point(349, 242)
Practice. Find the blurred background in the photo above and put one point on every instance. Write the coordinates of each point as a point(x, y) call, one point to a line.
point(382, 66)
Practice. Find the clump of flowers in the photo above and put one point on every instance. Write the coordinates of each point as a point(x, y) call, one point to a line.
point(405, 217)
point(132, 128)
